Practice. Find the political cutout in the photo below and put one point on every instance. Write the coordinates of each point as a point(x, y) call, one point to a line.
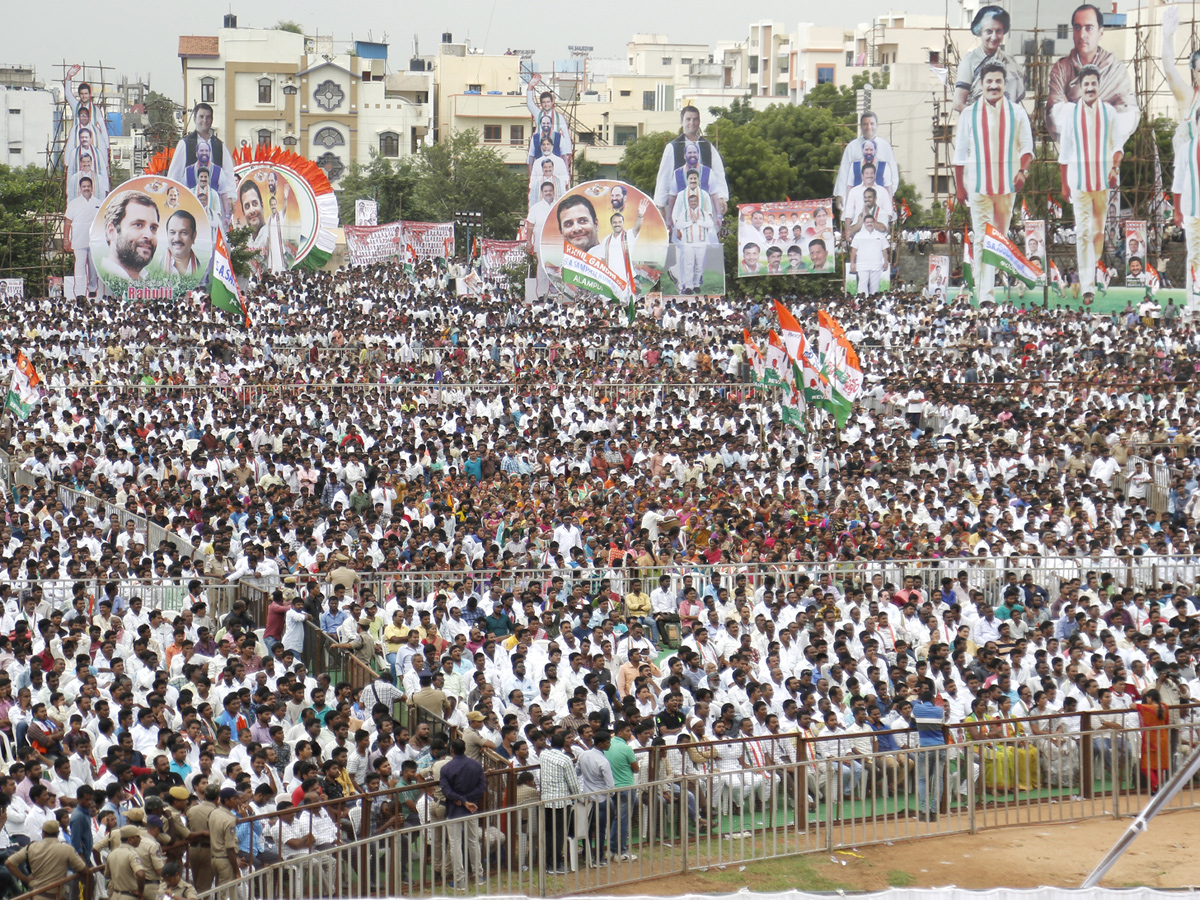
point(691, 152)
point(939, 277)
point(795, 237)
point(151, 240)
point(366, 212)
point(1116, 87)
point(991, 24)
point(612, 221)
point(549, 125)
point(86, 150)
point(280, 210)
point(871, 153)
point(1137, 263)
point(1035, 245)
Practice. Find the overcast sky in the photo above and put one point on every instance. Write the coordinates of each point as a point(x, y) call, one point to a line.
point(143, 40)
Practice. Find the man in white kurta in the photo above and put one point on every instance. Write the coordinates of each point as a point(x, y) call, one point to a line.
point(992, 152)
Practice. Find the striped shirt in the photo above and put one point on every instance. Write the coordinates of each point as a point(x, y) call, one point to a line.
point(992, 138)
point(1088, 139)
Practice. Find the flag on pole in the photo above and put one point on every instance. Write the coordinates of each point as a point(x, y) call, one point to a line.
point(1025, 214)
point(590, 273)
point(754, 356)
point(968, 259)
point(905, 211)
point(1055, 207)
point(224, 287)
point(793, 334)
point(23, 394)
point(778, 368)
point(839, 364)
point(792, 404)
point(1002, 253)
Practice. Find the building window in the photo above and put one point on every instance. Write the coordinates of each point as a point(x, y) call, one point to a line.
point(329, 95)
point(264, 90)
point(329, 137)
point(781, 90)
point(824, 74)
point(422, 96)
point(289, 90)
point(290, 141)
point(1064, 32)
point(491, 134)
point(516, 134)
point(626, 93)
point(624, 134)
point(208, 90)
point(648, 100)
point(474, 88)
point(264, 137)
point(333, 166)
point(389, 145)
point(685, 60)
point(754, 65)
point(666, 60)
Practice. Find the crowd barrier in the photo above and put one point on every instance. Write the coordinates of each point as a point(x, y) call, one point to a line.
point(807, 795)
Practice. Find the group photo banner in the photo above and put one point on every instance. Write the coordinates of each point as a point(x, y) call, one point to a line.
point(790, 238)
point(370, 244)
point(495, 255)
point(428, 240)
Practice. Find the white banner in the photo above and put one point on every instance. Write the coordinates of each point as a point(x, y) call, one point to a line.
point(12, 288)
point(498, 254)
point(372, 244)
point(366, 212)
point(428, 240)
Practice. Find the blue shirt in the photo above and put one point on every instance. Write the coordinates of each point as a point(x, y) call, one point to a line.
point(931, 735)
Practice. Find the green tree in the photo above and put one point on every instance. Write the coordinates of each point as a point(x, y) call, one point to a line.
point(811, 138)
point(161, 129)
point(739, 112)
point(756, 170)
point(390, 183)
point(289, 26)
point(240, 253)
point(585, 169)
point(639, 163)
point(27, 201)
point(461, 174)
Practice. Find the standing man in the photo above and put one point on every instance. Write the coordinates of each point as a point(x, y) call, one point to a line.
point(617, 249)
point(548, 124)
point(200, 855)
point(869, 255)
point(849, 174)
point(77, 228)
point(1116, 88)
point(992, 153)
point(123, 869)
point(559, 785)
point(1090, 148)
point(1185, 184)
point(624, 765)
point(931, 759)
point(49, 860)
point(675, 157)
point(694, 224)
point(222, 825)
point(188, 151)
point(463, 786)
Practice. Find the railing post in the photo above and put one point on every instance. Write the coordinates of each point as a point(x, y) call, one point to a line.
point(972, 825)
point(1086, 775)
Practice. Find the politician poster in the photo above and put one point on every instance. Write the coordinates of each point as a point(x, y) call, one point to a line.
point(151, 240)
point(612, 222)
point(795, 237)
point(1034, 231)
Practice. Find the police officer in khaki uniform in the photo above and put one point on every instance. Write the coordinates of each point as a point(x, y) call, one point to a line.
point(200, 855)
point(222, 830)
point(49, 860)
point(173, 886)
point(175, 830)
point(150, 853)
point(123, 868)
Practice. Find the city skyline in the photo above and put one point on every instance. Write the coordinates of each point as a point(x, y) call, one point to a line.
point(492, 28)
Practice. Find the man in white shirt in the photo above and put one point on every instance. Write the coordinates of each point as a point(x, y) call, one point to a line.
point(868, 256)
point(77, 227)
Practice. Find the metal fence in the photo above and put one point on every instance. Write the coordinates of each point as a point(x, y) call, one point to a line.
point(771, 797)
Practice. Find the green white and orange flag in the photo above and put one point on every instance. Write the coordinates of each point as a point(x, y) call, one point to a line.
point(779, 365)
point(223, 286)
point(23, 394)
point(754, 356)
point(811, 381)
point(839, 363)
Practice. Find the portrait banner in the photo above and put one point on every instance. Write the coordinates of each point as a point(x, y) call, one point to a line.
point(151, 240)
point(1135, 251)
point(613, 222)
point(12, 288)
point(428, 240)
point(1035, 246)
point(790, 238)
point(496, 255)
point(939, 276)
point(280, 209)
point(366, 212)
point(367, 245)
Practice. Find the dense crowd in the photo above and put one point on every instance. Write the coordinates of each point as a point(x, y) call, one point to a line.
point(624, 544)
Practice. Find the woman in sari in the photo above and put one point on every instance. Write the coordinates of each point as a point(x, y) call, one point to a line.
point(1156, 745)
point(981, 732)
point(1021, 755)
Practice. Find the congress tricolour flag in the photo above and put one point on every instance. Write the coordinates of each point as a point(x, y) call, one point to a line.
point(224, 287)
point(839, 363)
point(591, 274)
point(754, 356)
point(803, 356)
point(968, 259)
point(779, 368)
point(23, 394)
point(1002, 253)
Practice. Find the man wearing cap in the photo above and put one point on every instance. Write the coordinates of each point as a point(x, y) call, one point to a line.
point(49, 860)
point(222, 828)
point(174, 828)
point(173, 886)
point(200, 855)
point(123, 868)
point(150, 853)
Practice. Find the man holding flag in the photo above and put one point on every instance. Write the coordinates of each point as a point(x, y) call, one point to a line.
point(23, 393)
point(992, 152)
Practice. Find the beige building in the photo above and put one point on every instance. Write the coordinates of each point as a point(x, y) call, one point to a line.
point(270, 87)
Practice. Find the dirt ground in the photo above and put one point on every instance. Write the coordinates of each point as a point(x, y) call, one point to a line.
point(1018, 857)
